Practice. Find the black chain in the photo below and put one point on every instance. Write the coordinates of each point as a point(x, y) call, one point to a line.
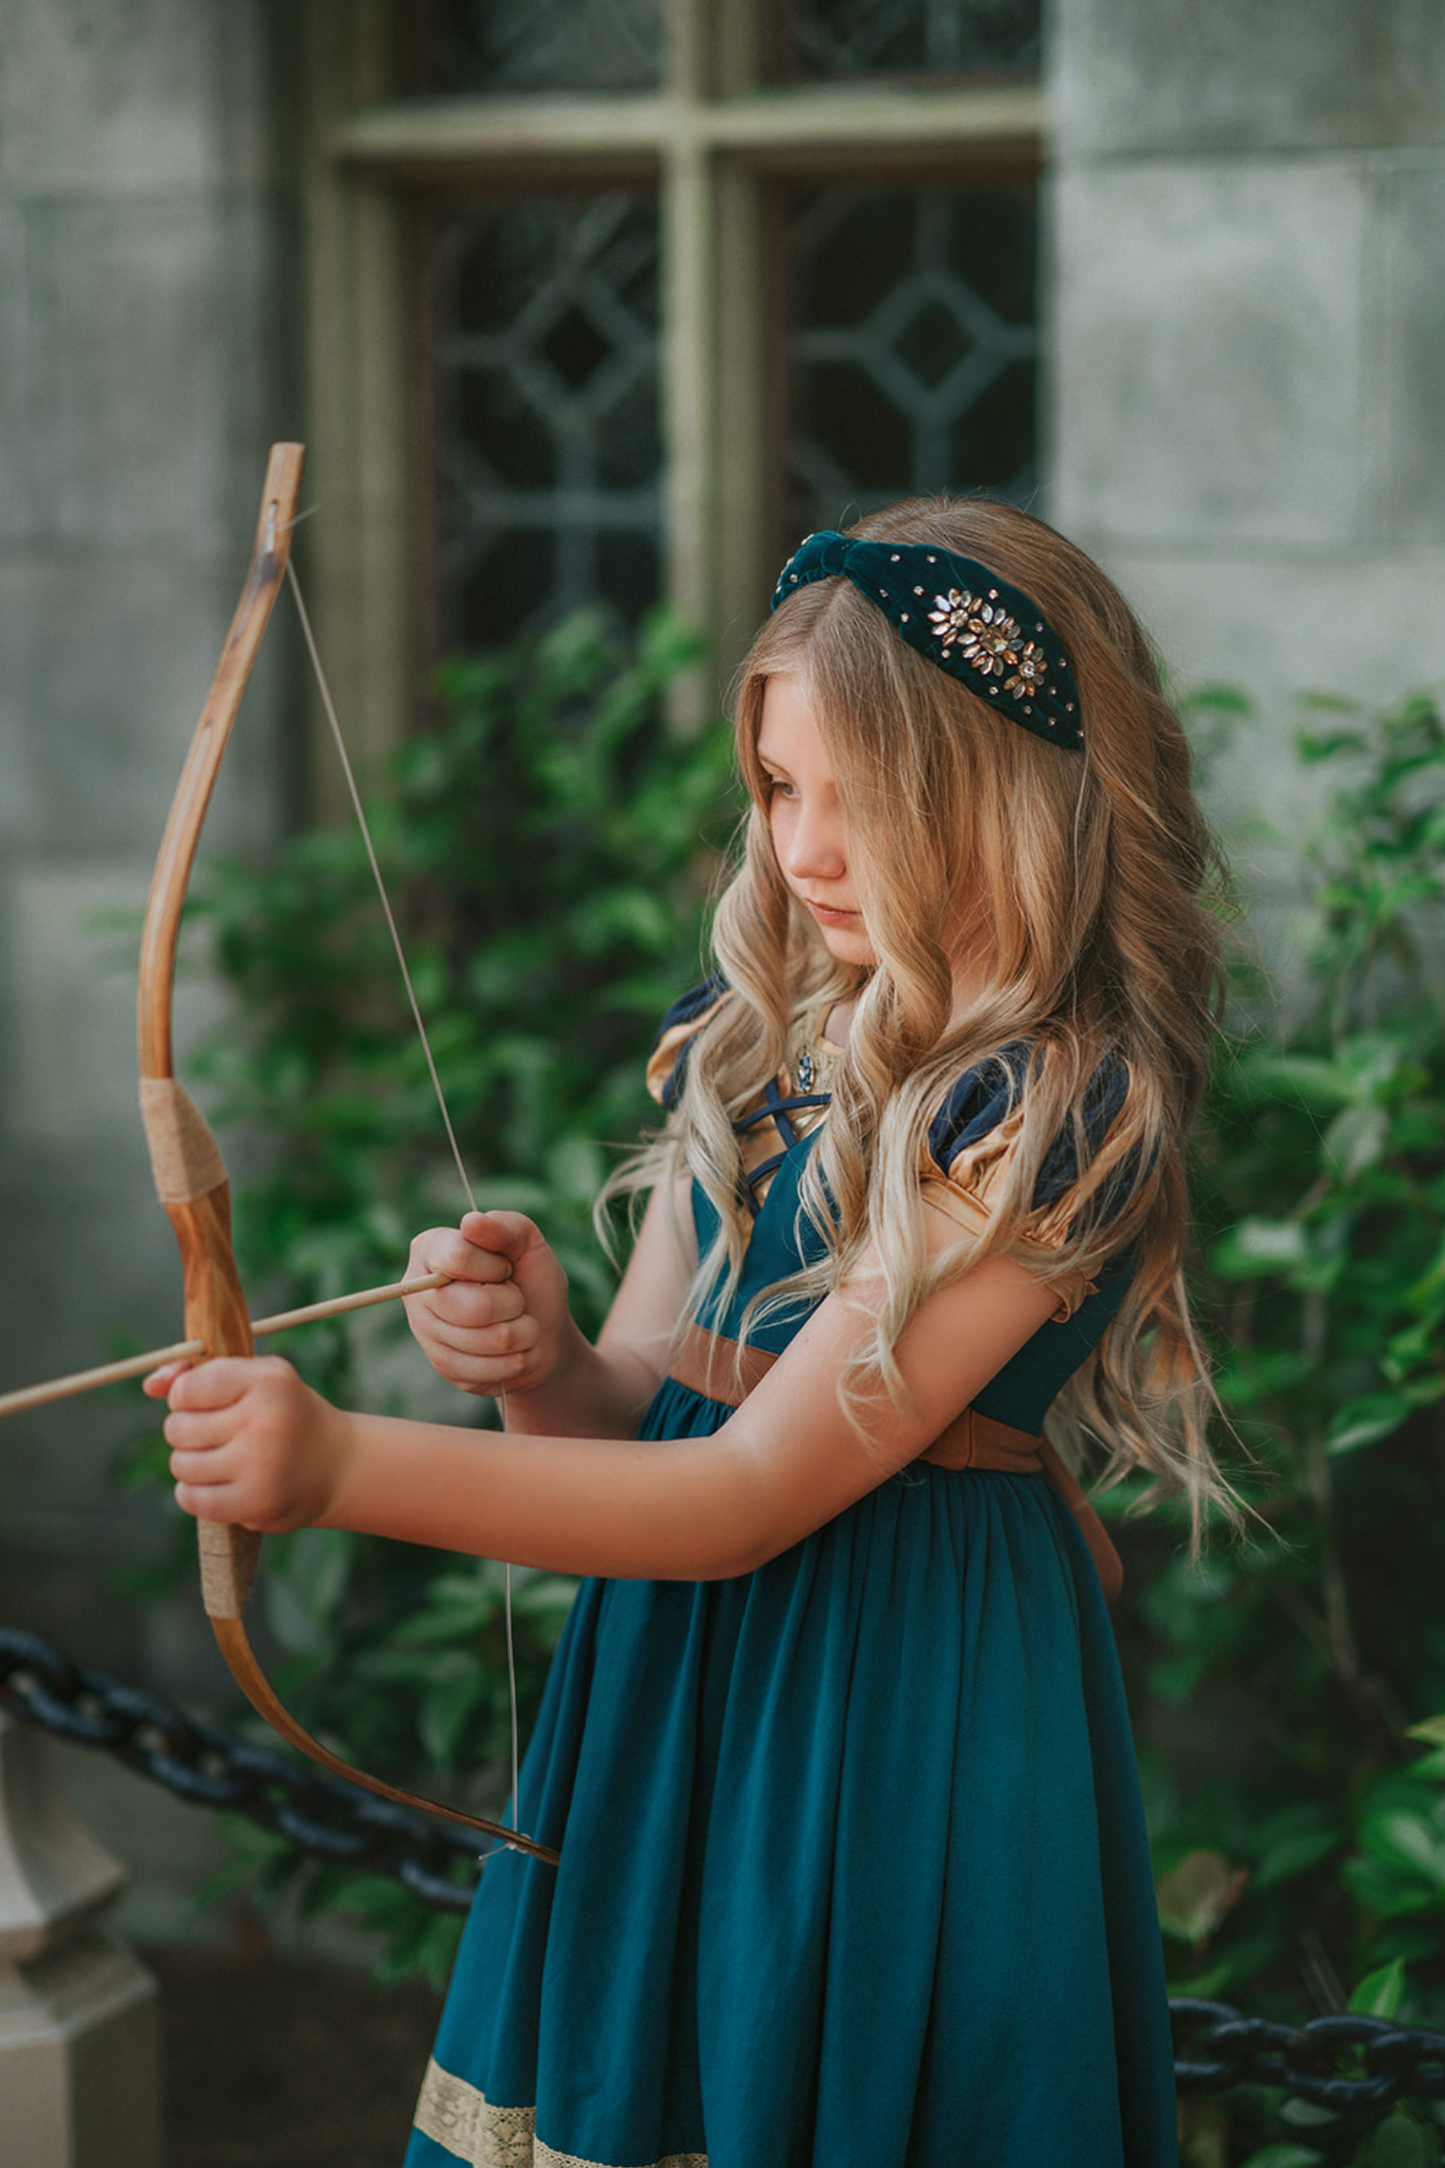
point(1349, 2065)
point(1346, 2064)
point(320, 1815)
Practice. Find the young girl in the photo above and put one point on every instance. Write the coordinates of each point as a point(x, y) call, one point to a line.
point(853, 1872)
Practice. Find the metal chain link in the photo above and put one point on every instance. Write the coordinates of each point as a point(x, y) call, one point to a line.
point(1345, 2064)
point(1349, 2065)
point(212, 1768)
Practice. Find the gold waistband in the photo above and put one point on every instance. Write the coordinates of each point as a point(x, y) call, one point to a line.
point(720, 1370)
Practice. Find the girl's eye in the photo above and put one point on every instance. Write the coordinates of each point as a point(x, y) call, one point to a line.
point(779, 787)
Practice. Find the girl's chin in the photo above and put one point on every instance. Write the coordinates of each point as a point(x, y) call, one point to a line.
point(847, 941)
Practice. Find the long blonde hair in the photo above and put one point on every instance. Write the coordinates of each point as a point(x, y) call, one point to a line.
point(1092, 870)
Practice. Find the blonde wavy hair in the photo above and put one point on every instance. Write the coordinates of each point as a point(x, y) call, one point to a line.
point(1088, 876)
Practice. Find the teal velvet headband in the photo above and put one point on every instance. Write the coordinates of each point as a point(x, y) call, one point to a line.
point(962, 617)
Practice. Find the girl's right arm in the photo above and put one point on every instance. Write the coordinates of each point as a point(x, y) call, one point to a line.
point(250, 1444)
point(502, 1325)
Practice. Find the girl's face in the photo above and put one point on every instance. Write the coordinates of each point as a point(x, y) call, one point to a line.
point(809, 836)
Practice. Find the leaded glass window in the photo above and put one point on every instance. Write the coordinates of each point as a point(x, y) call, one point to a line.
point(832, 38)
point(513, 45)
point(547, 425)
point(843, 310)
point(914, 347)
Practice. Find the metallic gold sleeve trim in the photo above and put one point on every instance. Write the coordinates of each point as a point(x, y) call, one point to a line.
point(663, 1059)
point(461, 2119)
point(960, 1205)
point(969, 1211)
point(1073, 1290)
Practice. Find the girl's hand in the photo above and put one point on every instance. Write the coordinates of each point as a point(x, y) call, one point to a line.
point(250, 1444)
point(501, 1323)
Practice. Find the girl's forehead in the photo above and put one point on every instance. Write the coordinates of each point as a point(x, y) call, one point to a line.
point(788, 719)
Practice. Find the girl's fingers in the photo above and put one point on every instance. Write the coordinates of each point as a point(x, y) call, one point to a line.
point(470, 1308)
point(481, 1250)
point(159, 1383)
point(506, 1234)
point(219, 1383)
point(198, 1433)
point(198, 1471)
point(251, 1444)
point(193, 1498)
point(484, 1334)
point(206, 1410)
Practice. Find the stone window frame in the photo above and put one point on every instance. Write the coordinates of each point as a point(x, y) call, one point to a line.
point(713, 139)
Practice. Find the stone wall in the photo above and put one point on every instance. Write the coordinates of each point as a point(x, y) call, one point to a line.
point(146, 359)
point(1247, 315)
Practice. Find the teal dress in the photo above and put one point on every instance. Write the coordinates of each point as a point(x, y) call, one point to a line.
point(853, 1869)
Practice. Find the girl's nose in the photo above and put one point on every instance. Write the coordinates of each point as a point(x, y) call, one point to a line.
point(815, 847)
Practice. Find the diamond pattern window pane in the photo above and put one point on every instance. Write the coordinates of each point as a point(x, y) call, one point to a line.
point(914, 37)
point(913, 347)
point(547, 424)
point(479, 45)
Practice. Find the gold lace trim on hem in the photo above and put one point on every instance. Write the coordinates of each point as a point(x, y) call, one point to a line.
point(458, 2117)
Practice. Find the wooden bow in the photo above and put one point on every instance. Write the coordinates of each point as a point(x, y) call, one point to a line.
point(190, 1173)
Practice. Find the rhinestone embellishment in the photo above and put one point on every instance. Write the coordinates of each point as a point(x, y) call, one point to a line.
point(990, 641)
point(985, 634)
point(1030, 666)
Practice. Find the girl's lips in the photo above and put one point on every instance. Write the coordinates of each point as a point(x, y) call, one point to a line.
point(827, 916)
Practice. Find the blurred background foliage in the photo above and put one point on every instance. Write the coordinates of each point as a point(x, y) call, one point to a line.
point(1288, 1692)
point(552, 844)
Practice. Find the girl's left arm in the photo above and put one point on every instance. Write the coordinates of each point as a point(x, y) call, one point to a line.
point(251, 1444)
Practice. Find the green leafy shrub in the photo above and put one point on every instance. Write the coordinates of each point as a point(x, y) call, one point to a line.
point(1300, 1843)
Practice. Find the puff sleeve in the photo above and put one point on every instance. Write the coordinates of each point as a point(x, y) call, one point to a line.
point(667, 1063)
point(972, 1137)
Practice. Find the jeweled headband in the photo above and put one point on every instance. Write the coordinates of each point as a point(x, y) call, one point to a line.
point(961, 616)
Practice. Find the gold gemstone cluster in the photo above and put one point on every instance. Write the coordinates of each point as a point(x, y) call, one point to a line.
point(989, 640)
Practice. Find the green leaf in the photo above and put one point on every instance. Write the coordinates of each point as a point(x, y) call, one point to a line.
point(577, 1169)
point(1380, 1993)
point(1315, 1081)
point(1389, 1894)
point(1398, 2142)
point(1408, 1841)
point(1195, 1896)
point(1257, 1245)
point(1284, 2156)
point(1301, 1843)
point(1371, 1061)
point(1304, 2115)
point(1356, 1138)
point(1365, 1421)
point(316, 1562)
point(447, 1709)
point(290, 1617)
point(452, 1621)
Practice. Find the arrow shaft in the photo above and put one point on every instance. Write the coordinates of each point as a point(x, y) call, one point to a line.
point(136, 1366)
